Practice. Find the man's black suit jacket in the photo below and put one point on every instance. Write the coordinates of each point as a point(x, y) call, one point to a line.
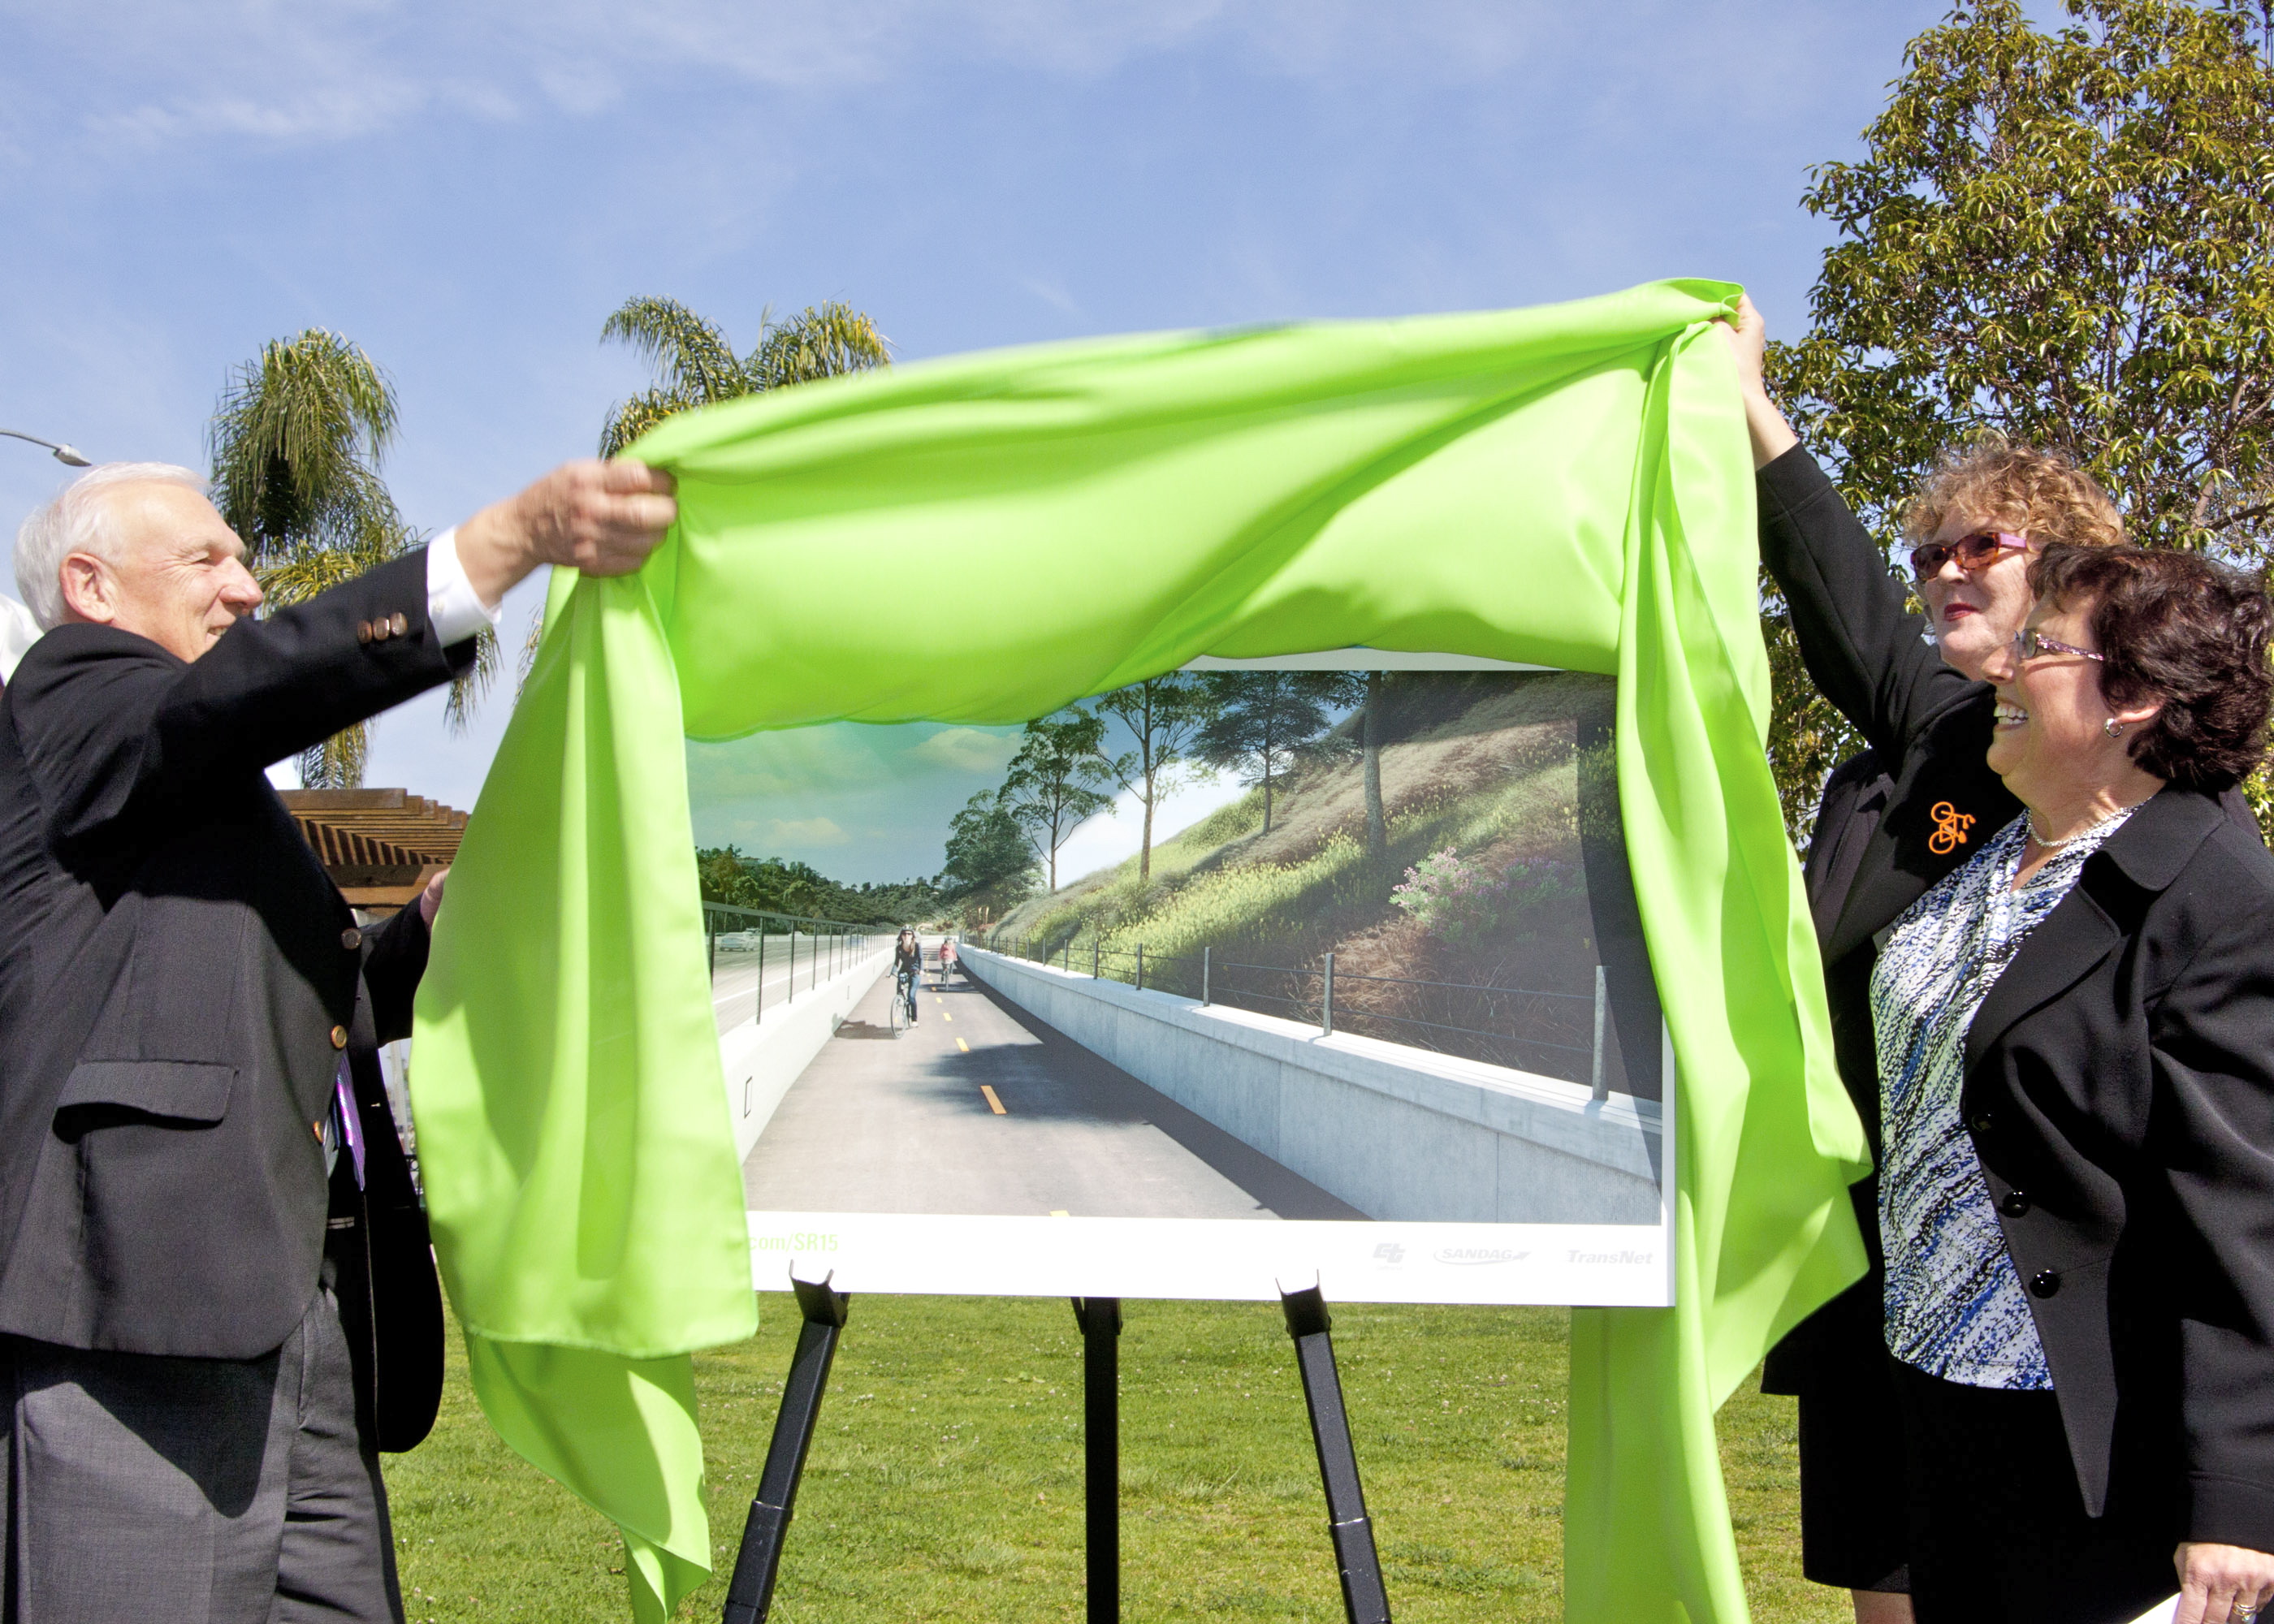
point(2119, 1076)
point(179, 977)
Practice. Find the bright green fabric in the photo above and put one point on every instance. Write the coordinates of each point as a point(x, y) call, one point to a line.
point(986, 539)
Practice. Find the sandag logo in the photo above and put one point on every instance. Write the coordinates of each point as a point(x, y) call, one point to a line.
point(1466, 1256)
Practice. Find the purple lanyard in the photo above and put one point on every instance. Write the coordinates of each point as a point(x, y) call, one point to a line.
point(343, 1108)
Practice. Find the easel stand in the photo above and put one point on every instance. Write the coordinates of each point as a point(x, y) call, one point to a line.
point(751, 1590)
point(1100, 1320)
point(1364, 1599)
point(750, 1593)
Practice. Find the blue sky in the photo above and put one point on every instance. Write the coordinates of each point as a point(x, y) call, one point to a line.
point(467, 190)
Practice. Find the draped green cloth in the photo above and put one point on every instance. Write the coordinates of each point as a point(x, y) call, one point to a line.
point(986, 539)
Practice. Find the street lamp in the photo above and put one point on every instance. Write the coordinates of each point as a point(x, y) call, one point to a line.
point(65, 454)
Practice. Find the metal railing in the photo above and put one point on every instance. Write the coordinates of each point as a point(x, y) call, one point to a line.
point(1311, 997)
point(760, 935)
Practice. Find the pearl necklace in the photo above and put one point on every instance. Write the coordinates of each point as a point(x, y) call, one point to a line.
point(2081, 834)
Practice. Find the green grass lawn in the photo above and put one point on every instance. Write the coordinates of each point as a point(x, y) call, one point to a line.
point(945, 1479)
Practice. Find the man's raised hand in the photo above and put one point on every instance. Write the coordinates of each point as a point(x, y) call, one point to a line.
point(600, 518)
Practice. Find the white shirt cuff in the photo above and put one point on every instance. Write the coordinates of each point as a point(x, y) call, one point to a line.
point(454, 609)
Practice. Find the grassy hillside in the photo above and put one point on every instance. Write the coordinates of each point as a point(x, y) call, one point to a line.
point(1483, 770)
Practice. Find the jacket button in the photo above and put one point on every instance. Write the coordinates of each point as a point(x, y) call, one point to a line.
point(1981, 1122)
point(2016, 1203)
point(363, 631)
point(2045, 1283)
point(351, 938)
point(400, 624)
point(339, 1037)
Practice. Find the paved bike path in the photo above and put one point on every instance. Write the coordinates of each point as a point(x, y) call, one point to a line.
point(883, 1124)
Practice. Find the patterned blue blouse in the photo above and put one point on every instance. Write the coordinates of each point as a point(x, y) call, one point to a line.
point(1955, 1307)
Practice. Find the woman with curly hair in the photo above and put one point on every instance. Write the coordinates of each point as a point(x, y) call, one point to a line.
point(2057, 964)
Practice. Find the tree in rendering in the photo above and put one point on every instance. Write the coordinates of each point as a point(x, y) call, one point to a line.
point(1360, 739)
point(2065, 236)
point(1164, 716)
point(1263, 718)
point(991, 866)
point(295, 445)
point(1055, 782)
point(1371, 705)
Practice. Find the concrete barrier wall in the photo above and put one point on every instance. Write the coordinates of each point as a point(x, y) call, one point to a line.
point(762, 1059)
point(1396, 1132)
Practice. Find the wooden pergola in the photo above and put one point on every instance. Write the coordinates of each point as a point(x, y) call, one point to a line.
point(380, 846)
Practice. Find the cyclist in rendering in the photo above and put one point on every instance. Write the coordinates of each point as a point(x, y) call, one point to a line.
point(947, 958)
point(907, 968)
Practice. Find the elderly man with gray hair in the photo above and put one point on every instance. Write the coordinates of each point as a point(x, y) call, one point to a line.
point(216, 1303)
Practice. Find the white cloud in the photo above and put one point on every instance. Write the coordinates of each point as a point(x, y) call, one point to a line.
point(145, 72)
point(1052, 294)
point(966, 749)
point(806, 831)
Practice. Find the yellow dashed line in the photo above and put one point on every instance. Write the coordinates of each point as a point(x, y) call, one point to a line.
point(993, 1103)
point(944, 1015)
point(965, 1047)
point(1059, 1212)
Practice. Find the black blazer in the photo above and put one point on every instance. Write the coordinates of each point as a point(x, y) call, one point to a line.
point(2119, 1081)
point(390, 1301)
point(1856, 797)
point(178, 976)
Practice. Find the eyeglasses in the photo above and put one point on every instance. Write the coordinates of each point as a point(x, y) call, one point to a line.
point(1974, 552)
point(2029, 643)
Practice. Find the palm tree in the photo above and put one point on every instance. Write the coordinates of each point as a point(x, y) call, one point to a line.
point(695, 365)
point(296, 444)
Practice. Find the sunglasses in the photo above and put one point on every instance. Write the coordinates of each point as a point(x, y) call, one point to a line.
point(2029, 643)
point(1974, 552)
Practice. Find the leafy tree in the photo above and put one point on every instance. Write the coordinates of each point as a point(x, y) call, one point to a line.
point(1052, 785)
point(2065, 236)
point(1263, 718)
point(1377, 818)
point(796, 888)
point(1360, 739)
point(1164, 716)
point(696, 365)
point(724, 876)
point(295, 445)
point(989, 866)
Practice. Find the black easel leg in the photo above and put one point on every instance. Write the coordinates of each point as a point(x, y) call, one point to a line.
point(1364, 1599)
point(751, 1590)
point(1100, 1318)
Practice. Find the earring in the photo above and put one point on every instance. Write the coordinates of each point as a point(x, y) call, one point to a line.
point(2115, 729)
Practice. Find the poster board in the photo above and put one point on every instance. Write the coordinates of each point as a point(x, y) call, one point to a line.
point(1477, 1107)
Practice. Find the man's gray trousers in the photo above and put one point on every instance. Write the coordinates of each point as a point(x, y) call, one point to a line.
point(194, 1491)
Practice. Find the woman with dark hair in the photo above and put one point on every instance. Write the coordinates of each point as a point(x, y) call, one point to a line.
point(2070, 1015)
point(907, 969)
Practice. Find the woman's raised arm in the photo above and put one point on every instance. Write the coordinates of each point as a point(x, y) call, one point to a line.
point(1862, 644)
